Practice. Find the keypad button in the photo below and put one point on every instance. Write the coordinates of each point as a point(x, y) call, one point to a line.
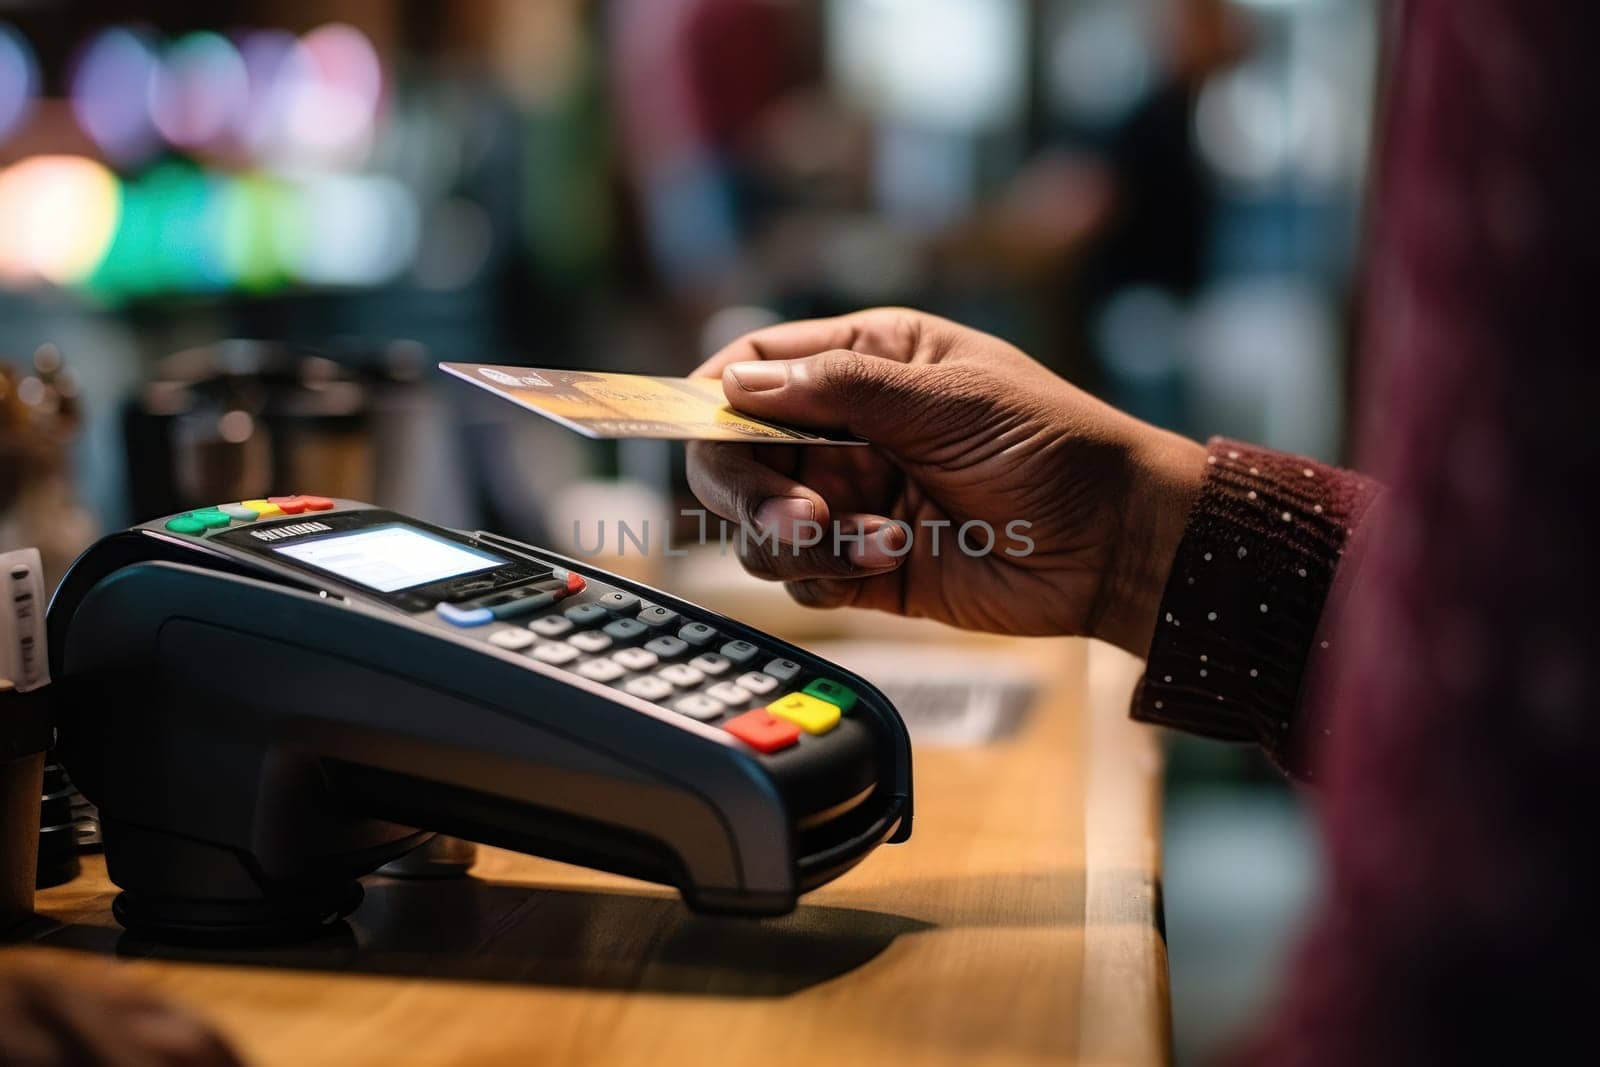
point(740, 652)
point(655, 616)
point(838, 694)
point(698, 633)
point(698, 706)
point(711, 663)
point(264, 509)
point(763, 732)
point(551, 626)
point(782, 669)
point(807, 712)
point(185, 524)
point(729, 694)
point(681, 675)
point(626, 629)
point(214, 518)
point(555, 653)
point(619, 602)
point(590, 641)
point(317, 503)
point(512, 639)
point(291, 505)
point(587, 614)
point(667, 647)
point(649, 688)
point(239, 512)
point(523, 603)
point(602, 670)
point(463, 616)
point(757, 683)
point(636, 659)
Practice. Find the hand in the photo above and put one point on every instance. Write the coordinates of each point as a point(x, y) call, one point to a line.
point(964, 428)
point(91, 1017)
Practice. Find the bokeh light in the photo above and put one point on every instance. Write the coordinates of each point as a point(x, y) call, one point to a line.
point(169, 239)
point(261, 232)
point(110, 88)
point(365, 226)
point(19, 80)
point(57, 218)
point(199, 92)
point(274, 62)
point(330, 102)
point(239, 154)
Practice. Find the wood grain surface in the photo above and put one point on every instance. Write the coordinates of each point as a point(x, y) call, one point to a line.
point(1020, 925)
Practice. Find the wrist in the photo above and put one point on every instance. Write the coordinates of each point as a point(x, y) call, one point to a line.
point(1164, 472)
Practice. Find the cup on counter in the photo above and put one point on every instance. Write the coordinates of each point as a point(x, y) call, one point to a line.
point(24, 736)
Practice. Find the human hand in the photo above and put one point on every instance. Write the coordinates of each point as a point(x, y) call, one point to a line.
point(90, 1017)
point(1085, 504)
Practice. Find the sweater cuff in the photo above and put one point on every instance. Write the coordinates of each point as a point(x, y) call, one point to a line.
point(1243, 601)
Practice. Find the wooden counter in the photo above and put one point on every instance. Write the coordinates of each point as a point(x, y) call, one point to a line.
point(1020, 925)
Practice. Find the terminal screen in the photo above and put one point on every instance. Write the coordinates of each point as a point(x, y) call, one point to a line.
point(391, 557)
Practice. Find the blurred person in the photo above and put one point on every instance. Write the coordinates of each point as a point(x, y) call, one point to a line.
point(1414, 641)
point(692, 81)
point(1158, 227)
point(1130, 210)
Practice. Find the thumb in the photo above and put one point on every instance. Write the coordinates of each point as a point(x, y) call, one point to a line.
point(882, 400)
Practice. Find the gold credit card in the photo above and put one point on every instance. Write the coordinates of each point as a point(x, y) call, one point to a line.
point(599, 404)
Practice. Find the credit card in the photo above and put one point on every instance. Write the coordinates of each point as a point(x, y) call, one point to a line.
point(603, 405)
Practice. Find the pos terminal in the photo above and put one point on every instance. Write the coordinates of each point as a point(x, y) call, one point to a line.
point(270, 698)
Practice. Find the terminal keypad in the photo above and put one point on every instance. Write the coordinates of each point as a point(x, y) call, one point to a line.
point(613, 637)
point(652, 652)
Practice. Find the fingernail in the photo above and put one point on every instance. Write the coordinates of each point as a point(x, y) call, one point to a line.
point(759, 377)
point(782, 514)
point(883, 546)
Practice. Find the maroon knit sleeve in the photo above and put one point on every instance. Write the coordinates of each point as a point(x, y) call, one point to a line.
point(1239, 620)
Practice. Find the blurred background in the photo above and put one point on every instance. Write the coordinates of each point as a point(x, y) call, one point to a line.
point(236, 237)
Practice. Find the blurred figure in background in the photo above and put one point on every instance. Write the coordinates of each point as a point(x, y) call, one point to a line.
point(1163, 198)
point(1158, 225)
point(692, 80)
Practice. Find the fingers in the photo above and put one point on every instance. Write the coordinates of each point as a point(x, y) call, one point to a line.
point(90, 1017)
point(886, 333)
point(732, 483)
point(859, 546)
point(786, 530)
point(888, 403)
point(787, 340)
point(175, 1039)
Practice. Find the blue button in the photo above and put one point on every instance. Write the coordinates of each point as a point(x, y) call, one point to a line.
point(626, 629)
point(464, 616)
point(587, 614)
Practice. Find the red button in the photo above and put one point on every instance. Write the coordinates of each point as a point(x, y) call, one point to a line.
point(575, 584)
point(291, 505)
point(763, 731)
point(317, 503)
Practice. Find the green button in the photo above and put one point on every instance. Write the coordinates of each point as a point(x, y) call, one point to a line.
point(211, 517)
point(840, 696)
point(185, 524)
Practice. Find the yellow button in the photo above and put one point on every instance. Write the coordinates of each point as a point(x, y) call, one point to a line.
point(263, 508)
point(807, 712)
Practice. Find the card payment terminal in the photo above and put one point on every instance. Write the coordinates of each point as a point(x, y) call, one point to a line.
point(270, 698)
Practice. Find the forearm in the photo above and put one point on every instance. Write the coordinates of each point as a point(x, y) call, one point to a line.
point(1240, 619)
